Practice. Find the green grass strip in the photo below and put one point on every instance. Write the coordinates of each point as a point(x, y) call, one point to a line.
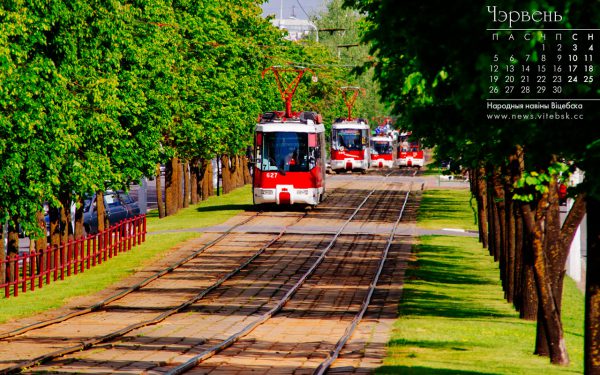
point(454, 319)
point(441, 208)
point(214, 210)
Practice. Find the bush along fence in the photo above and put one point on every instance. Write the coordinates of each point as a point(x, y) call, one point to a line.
point(25, 272)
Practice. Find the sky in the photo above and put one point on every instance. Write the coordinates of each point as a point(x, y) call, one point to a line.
point(311, 7)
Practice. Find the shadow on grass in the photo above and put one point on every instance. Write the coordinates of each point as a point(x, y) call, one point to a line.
point(225, 207)
point(420, 303)
point(440, 268)
point(443, 208)
point(420, 370)
point(443, 265)
point(427, 344)
point(447, 273)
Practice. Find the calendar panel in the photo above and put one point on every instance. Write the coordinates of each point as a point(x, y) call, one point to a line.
point(554, 77)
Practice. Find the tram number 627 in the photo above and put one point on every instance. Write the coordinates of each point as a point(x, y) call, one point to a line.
point(272, 175)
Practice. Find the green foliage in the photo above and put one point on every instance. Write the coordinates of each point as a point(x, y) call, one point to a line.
point(533, 184)
point(352, 65)
point(432, 62)
point(95, 93)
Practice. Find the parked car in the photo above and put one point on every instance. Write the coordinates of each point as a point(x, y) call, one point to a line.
point(118, 204)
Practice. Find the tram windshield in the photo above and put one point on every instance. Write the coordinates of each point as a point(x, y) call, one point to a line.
point(407, 145)
point(285, 151)
point(349, 139)
point(381, 147)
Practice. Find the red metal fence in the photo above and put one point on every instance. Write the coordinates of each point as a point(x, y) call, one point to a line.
point(24, 272)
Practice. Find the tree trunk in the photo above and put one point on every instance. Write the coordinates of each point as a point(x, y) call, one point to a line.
point(510, 247)
point(206, 171)
point(79, 231)
point(482, 206)
point(518, 262)
point(172, 186)
point(12, 247)
point(554, 263)
point(101, 210)
point(2, 255)
point(159, 193)
point(194, 181)
point(65, 220)
point(529, 297)
point(550, 315)
point(514, 230)
point(180, 185)
point(592, 291)
point(169, 188)
point(226, 173)
point(187, 189)
point(247, 173)
point(209, 177)
point(499, 223)
point(240, 166)
point(204, 164)
point(41, 243)
point(54, 214)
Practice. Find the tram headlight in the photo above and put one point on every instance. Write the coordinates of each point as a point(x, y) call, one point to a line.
point(268, 192)
point(302, 191)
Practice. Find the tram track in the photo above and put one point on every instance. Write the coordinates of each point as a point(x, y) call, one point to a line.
point(86, 344)
point(263, 318)
point(351, 241)
point(105, 304)
point(266, 315)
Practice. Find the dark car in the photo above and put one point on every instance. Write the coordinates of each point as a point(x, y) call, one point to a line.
point(118, 204)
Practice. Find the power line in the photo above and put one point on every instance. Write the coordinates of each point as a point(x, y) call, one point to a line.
point(301, 7)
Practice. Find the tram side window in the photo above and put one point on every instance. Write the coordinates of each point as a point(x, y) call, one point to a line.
point(314, 150)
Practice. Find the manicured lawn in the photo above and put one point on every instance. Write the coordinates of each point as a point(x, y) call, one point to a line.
point(454, 319)
point(447, 209)
point(214, 210)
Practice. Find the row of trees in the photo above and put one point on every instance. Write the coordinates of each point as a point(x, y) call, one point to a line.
point(96, 94)
point(433, 62)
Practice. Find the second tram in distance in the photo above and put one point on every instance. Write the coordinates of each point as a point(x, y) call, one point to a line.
point(384, 151)
point(350, 145)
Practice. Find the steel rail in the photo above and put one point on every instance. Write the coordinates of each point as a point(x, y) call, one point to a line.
point(334, 354)
point(86, 344)
point(211, 351)
point(123, 293)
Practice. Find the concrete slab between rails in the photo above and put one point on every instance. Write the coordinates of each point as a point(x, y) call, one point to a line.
point(382, 229)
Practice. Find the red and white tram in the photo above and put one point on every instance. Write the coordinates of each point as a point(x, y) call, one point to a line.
point(289, 153)
point(350, 145)
point(350, 138)
point(384, 150)
point(410, 153)
point(289, 164)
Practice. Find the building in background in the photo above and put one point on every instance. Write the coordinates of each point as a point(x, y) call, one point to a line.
point(296, 28)
point(301, 9)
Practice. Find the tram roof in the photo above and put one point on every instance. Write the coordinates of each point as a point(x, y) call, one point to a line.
point(382, 138)
point(290, 126)
point(350, 125)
